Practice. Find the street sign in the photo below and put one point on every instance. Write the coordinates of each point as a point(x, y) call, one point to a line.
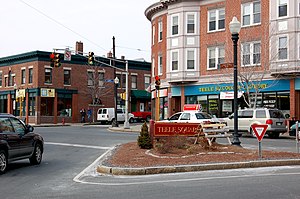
point(259, 130)
point(109, 80)
point(67, 55)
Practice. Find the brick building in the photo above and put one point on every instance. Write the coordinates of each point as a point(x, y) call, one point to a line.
point(32, 89)
point(192, 52)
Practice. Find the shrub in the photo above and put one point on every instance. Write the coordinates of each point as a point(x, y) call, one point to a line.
point(144, 140)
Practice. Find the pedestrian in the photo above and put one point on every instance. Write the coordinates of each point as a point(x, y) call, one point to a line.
point(89, 114)
point(82, 113)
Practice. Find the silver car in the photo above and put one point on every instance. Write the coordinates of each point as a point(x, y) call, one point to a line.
point(274, 118)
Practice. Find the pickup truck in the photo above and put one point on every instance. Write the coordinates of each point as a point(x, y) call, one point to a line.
point(142, 116)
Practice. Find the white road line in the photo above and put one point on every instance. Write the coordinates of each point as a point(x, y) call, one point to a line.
point(78, 145)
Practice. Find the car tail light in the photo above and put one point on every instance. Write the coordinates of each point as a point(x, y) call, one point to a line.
point(269, 122)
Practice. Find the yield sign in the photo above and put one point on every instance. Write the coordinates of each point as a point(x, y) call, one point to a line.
point(259, 130)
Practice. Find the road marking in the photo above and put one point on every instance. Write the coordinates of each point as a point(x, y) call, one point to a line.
point(78, 145)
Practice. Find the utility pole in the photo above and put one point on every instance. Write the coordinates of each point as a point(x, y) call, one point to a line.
point(115, 124)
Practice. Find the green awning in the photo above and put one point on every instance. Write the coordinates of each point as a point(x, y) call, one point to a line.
point(140, 94)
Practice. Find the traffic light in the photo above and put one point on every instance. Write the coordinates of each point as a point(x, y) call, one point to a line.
point(57, 60)
point(91, 58)
point(52, 57)
point(123, 96)
point(157, 81)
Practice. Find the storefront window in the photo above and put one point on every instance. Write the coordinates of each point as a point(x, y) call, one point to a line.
point(47, 104)
point(31, 104)
point(269, 100)
point(203, 101)
point(64, 105)
point(213, 104)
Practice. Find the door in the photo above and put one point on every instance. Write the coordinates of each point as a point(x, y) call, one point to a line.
point(142, 107)
point(121, 115)
point(26, 140)
point(12, 139)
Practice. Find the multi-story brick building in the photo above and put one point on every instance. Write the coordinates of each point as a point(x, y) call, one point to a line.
point(32, 89)
point(192, 52)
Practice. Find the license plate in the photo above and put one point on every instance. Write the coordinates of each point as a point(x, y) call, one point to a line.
point(278, 123)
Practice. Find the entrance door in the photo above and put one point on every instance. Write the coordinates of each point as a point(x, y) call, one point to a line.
point(142, 107)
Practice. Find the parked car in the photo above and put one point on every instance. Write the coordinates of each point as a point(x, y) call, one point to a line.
point(18, 141)
point(292, 131)
point(107, 115)
point(190, 117)
point(142, 115)
point(274, 118)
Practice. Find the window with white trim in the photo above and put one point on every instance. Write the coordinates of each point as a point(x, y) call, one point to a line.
point(174, 59)
point(30, 78)
point(101, 78)
point(251, 13)
point(175, 24)
point(216, 56)
point(1, 78)
point(153, 67)
point(133, 81)
point(251, 53)
point(190, 59)
point(67, 77)
point(147, 81)
point(160, 31)
point(23, 76)
point(153, 35)
point(90, 76)
point(282, 48)
point(282, 8)
point(190, 23)
point(160, 69)
point(216, 19)
point(48, 75)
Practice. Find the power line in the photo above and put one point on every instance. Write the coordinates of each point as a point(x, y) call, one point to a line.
point(138, 49)
point(54, 20)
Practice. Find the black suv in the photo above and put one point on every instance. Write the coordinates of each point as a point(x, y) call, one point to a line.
point(17, 141)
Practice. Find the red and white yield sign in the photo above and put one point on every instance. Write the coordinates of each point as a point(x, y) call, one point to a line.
point(259, 130)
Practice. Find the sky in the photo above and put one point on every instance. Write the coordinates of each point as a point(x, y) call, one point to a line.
point(29, 25)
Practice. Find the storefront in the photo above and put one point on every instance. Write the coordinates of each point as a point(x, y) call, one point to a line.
point(217, 99)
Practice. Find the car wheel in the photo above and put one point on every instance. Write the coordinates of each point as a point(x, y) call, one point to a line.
point(148, 118)
point(3, 162)
point(131, 120)
point(36, 157)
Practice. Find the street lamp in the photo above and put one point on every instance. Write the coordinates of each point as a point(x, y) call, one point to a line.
point(115, 122)
point(235, 27)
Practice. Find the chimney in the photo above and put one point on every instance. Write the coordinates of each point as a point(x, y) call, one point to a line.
point(109, 54)
point(79, 47)
point(123, 57)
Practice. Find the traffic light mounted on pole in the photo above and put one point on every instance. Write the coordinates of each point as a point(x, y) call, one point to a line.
point(57, 60)
point(157, 82)
point(91, 58)
point(52, 57)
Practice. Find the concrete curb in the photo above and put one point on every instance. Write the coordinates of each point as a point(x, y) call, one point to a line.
point(192, 168)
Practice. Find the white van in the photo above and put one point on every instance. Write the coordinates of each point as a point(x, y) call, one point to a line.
point(107, 115)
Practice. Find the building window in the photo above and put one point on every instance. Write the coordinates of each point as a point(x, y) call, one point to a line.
point(160, 64)
point(153, 67)
point(90, 76)
point(10, 79)
point(216, 19)
point(251, 13)
point(23, 77)
point(160, 30)
point(67, 77)
point(190, 24)
point(147, 81)
point(1, 78)
point(216, 56)
point(133, 81)
point(48, 75)
point(282, 48)
point(30, 79)
point(190, 62)
point(251, 53)
point(175, 23)
point(6, 81)
point(282, 8)
point(153, 35)
point(101, 78)
point(174, 60)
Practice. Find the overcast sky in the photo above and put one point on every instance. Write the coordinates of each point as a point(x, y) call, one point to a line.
point(29, 25)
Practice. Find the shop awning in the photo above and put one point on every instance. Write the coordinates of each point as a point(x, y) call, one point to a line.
point(140, 94)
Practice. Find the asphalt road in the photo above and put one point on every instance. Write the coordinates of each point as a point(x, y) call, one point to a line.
point(71, 155)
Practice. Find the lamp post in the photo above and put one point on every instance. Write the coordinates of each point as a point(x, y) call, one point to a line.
point(235, 27)
point(126, 123)
point(115, 122)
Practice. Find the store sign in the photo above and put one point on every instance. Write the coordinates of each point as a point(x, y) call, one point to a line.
point(229, 95)
point(162, 129)
point(20, 93)
point(47, 92)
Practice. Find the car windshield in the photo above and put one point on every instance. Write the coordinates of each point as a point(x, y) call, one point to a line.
point(203, 115)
